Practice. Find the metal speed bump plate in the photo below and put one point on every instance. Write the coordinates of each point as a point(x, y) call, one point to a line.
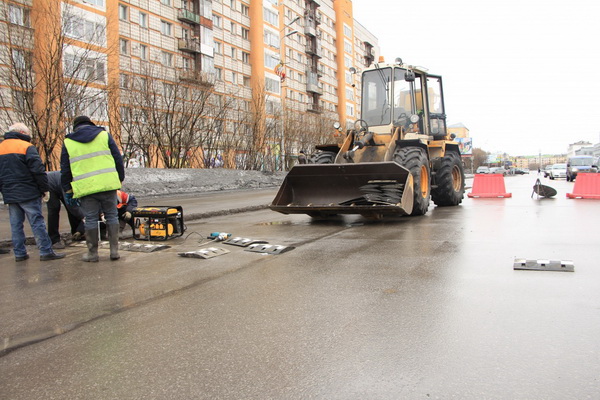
point(268, 248)
point(243, 242)
point(208, 252)
point(143, 248)
point(543, 265)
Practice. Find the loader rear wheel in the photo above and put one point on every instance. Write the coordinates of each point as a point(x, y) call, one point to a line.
point(415, 160)
point(324, 157)
point(450, 181)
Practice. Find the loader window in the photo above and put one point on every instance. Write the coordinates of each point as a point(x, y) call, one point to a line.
point(401, 95)
point(376, 108)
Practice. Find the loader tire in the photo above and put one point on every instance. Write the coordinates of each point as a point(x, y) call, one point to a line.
point(415, 160)
point(324, 157)
point(450, 181)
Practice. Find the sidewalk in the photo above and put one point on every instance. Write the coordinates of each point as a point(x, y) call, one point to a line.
point(196, 206)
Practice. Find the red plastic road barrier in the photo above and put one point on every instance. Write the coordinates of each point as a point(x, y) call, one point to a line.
point(587, 186)
point(489, 185)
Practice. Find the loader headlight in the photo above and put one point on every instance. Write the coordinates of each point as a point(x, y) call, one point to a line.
point(414, 118)
point(337, 126)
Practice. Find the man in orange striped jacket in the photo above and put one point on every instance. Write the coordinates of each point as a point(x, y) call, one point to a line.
point(24, 183)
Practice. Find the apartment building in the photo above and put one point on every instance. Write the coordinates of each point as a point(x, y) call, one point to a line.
point(267, 57)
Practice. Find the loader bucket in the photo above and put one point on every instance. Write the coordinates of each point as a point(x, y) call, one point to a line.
point(370, 189)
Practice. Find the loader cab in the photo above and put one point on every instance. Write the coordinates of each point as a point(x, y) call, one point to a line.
point(395, 96)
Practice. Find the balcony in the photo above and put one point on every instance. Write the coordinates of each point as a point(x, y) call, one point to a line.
point(188, 16)
point(313, 48)
point(188, 45)
point(313, 107)
point(312, 83)
point(198, 77)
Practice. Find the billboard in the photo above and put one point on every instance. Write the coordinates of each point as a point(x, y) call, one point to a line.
point(465, 145)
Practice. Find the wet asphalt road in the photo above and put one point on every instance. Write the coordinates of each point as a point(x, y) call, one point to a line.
point(426, 307)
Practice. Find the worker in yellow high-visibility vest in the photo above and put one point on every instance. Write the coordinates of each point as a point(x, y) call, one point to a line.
point(91, 172)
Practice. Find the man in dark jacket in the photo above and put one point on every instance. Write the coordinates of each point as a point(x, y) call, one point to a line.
point(74, 213)
point(23, 183)
point(91, 172)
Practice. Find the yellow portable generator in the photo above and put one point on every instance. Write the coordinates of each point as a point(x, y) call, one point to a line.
point(158, 222)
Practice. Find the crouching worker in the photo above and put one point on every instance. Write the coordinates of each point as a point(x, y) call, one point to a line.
point(74, 213)
point(126, 203)
point(92, 171)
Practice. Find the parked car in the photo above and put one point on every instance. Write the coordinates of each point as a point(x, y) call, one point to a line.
point(578, 164)
point(547, 171)
point(498, 170)
point(518, 171)
point(482, 170)
point(558, 171)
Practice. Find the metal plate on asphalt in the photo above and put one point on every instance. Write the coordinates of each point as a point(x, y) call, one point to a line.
point(268, 248)
point(243, 242)
point(144, 248)
point(543, 265)
point(209, 252)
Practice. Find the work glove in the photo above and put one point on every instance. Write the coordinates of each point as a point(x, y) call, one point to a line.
point(70, 201)
point(46, 197)
point(127, 216)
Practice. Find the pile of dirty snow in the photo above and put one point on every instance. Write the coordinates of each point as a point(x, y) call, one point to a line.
point(157, 181)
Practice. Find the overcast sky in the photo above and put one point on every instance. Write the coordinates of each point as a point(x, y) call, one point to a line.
point(522, 75)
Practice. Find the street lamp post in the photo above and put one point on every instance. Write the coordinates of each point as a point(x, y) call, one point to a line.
point(280, 71)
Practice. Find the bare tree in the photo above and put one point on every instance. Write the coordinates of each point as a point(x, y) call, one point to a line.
point(52, 73)
point(174, 123)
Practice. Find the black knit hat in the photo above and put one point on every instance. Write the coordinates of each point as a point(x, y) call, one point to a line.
point(82, 119)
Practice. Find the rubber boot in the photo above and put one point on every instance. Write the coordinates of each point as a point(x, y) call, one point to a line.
point(113, 239)
point(91, 239)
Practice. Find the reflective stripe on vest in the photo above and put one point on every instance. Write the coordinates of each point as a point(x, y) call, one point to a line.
point(92, 166)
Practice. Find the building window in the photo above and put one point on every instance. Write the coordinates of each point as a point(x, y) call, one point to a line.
point(232, 4)
point(18, 15)
point(234, 78)
point(245, 10)
point(143, 52)
point(167, 59)
point(21, 60)
point(349, 94)
point(218, 73)
point(166, 2)
point(245, 33)
point(123, 11)
point(97, 3)
point(271, 60)
point(245, 57)
point(233, 28)
point(124, 46)
point(123, 81)
point(217, 48)
point(216, 21)
point(233, 53)
point(271, 39)
point(347, 31)
point(143, 20)
point(271, 17)
point(165, 28)
point(125, 114)
point(350, 110)
point(247, 81)
point(272, 85)
point(86, 30)
point(187, 64)
point(348, 46)
point(85, 67)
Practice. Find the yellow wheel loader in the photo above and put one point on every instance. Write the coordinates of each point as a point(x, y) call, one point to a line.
point(393, 161)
